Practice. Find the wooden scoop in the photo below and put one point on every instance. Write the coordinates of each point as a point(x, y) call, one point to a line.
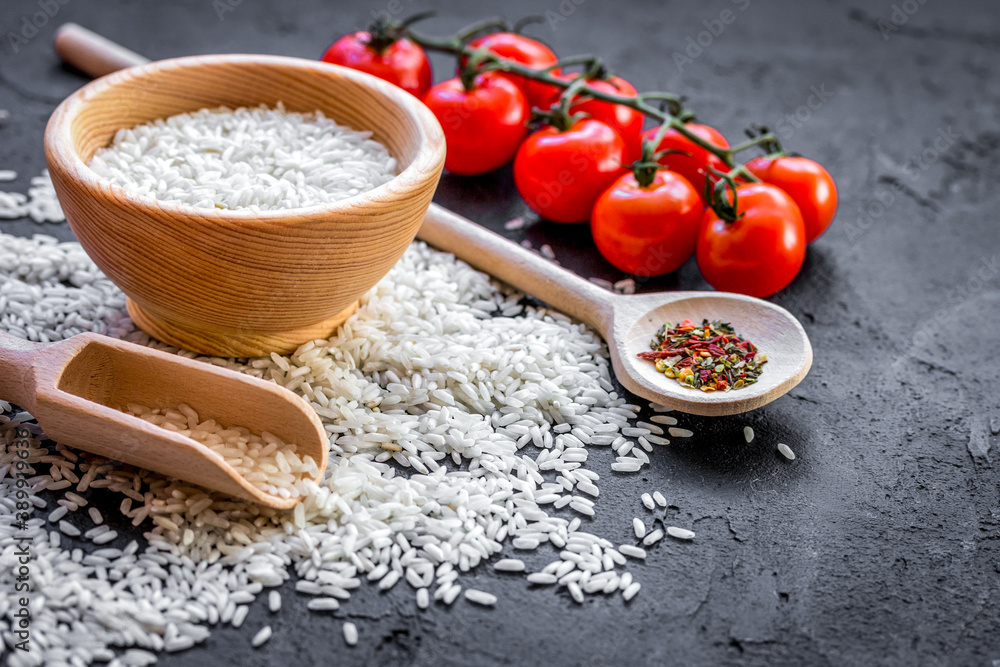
point(629, 322)
point(77, 389)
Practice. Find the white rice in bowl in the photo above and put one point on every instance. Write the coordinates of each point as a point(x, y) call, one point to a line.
point(255, 159)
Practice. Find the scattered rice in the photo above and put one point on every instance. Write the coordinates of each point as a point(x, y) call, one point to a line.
point(601, 282)
point(631, 591)
point(786, 451)
point(680, 533)
point(625, 286)
point(748, 434)
point(639, 528)
point(104, 538)
point(350, 634)
point(274, 602)
point(451, 594)
point(69, 529)
point(652, 538)
point(547, 251)
point(680, 432)
point(509, 565)
point(660, 500)
point(514, 223)
point(257, 159)
point(648, 501)
point(40, 203)
point(632, 551)
point(480, 597)
point(446, 426)
point(261, 637)
point(663, 419)
point(323, 604)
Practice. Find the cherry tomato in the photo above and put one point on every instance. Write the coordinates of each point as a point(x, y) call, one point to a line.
point(627, 121)
point(482, 127)
point(693, 168)
point(647, 230)
point(762, 251)
point(523, 50)
point(560, 174)
point(807, 183)
point(401, 62)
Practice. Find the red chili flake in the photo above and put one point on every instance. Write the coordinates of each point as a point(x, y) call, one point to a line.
point(696, 357)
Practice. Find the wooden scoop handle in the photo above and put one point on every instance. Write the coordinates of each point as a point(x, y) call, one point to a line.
point(92, 54)
point(530, 273)
point(16, 378)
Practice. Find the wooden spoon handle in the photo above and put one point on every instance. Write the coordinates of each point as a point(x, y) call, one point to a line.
point(16, 378)
point(92, 54)
point(511, 263)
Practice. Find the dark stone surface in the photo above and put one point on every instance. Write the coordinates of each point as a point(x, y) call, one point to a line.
point(881, 543)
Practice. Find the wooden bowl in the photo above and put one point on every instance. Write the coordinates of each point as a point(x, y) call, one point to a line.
point(242, 283)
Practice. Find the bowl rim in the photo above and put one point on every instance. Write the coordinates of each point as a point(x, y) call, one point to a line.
point(60, 147)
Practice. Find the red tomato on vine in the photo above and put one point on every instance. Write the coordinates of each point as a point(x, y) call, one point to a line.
point(807, 183)
point(396, 59)
point(520, 49)
point(484, 126)
point(561, 173)
point(761, 251)
point(626, 120)
point(692, 161)
point(647, 230)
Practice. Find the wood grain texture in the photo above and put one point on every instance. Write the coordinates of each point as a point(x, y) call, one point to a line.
point(628, 322)
point(78, 388)
point(240, 283)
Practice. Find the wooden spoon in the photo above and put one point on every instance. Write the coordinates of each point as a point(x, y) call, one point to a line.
point(77, 389)
point(628, 322)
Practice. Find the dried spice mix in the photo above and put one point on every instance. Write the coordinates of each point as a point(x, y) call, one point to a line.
point(710, 356)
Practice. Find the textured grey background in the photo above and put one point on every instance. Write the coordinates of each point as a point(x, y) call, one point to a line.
point(881, 543)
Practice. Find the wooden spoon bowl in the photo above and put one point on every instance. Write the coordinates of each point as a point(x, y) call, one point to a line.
point(772, 329)
point(242, 283)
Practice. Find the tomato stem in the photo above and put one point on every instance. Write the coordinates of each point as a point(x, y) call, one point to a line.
point(587, 60)
point(473, 67)
point(646, 167)
point(567, 96)
point(674, 116)
point(559, 116)
point(675, 103)
point(384, 32)
point(726, 209)
point(766, 141)
point(494, 24)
